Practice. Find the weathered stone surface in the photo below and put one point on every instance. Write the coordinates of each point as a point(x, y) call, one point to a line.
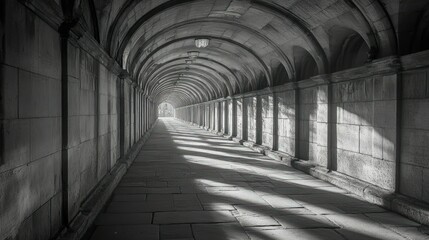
point(305, 221)
point(179, 231)
point(9, 92)
point(280, 234)
point(358, 226)
point(123, 219)
point(292, 74)
point(235, 195)
point(377, 171)
point(414, 85)
point(150, 232)
point(256, 221)
point(219, 231)
point(193, 217)
point(411, 180)
point(348, 137)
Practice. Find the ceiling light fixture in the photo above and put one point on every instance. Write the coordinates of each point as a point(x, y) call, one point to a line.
point(202, 42)
point(193, 54)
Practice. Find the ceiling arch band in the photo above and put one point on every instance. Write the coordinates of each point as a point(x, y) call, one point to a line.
point(247, 36)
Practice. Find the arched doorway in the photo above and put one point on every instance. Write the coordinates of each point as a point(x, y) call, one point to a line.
point(165, 110)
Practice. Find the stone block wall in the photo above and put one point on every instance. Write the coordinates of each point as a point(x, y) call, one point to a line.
point(313, 125)
point(268, 128)
point(231, 117)
point(207, 116)
point(285, 117)
point(414, 165)
point(40, 147)
point(217, 116)
point(365, 110)
point(348, 121)
point(251, 105)
point(224, 108)
point(240, 129)
point(30, 123)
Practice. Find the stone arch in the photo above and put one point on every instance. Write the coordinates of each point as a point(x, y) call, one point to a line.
point(89, 18)
point(279, 73)
point(421, 38)
point(305, 65)
point(349, 49)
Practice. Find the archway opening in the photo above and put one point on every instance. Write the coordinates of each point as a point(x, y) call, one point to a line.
point(165, 109)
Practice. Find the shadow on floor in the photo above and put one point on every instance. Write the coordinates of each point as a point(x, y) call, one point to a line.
point(187, 183)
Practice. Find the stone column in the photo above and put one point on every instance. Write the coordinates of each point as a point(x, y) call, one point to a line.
point(244, 119)
point(258, 118)
point(122, 78)
point(233, 118)
point(225, 112)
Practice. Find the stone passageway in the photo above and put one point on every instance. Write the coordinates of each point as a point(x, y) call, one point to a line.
point(312, 93)
point(187, 183)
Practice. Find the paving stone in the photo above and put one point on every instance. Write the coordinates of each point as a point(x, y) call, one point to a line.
point(279, 201)
point(326, 198)
point(392, 219)
point(254, 221)
point(193, 190)
point(233, 194)
point(228, 231)
point(221, 189)
point(176, 231)
point(186, 202)
point(135, 207)
point(305, 221)
point(130, 232)
point(124, 219)
point(413, 233)
point(307, 234)
point(324, 209)
point(218, 206)
point(140, 190)
point(128, 197)
point(361, 207)
point(193, 217)
point(307, 190)
point(359, 226)
point(269, 211)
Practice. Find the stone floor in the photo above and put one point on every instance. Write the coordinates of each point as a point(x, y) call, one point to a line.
point(187, 183)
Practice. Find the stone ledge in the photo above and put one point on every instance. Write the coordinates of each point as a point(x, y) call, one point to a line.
point(281, 157)
point(229, 137)
point(255, 147)
point(93, 205)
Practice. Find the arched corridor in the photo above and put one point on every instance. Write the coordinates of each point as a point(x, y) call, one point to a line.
point(214, 119)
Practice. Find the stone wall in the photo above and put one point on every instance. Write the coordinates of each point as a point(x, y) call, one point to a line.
point(365, 110)
point(240, 119)
point(285, 117)
point(312, 142)
point(414, 165)
point(251, 103)
point(30, 165)
point(268, 127)
point(231, 117)
point(40, 147)
point(347, 122)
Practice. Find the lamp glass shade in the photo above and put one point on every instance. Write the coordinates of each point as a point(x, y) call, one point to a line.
point(202, 42)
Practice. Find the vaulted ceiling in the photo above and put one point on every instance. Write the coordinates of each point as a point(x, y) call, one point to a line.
point(254, 44)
